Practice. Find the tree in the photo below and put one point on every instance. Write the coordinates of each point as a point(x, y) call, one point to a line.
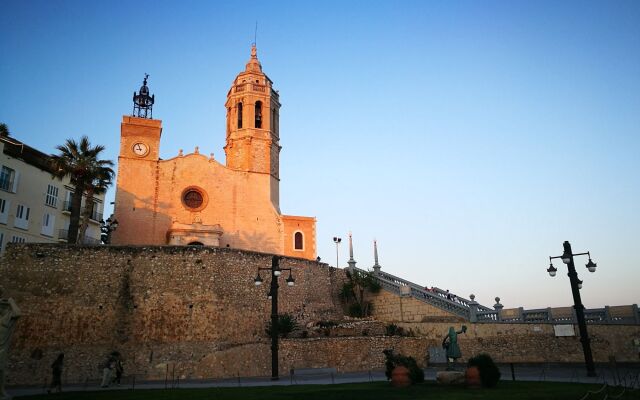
point(4, 129)
point(103, 179)
point(353, 292)
point(79, 161)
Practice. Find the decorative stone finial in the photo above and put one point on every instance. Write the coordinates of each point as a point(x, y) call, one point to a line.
point(498, 306)
point(210, 156)
point(197, 150)
point(254, 65)
point(472, 297)
point(351, 262)
point(180, 153)
point(376, 266)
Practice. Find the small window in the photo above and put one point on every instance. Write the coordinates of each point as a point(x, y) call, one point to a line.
point(6, 179)
point(298, 240)
point(17, 239)
point(239, 115)
point(52, 196)
point(258, 114)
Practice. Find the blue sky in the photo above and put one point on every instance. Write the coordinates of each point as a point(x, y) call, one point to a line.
point(469, 138)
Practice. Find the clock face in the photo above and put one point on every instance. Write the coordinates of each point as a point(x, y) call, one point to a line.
point(140, 149)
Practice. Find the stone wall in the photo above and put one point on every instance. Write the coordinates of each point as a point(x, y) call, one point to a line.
point(390, 307)
point(166, 300)
point(532, 343)
point(196, 312)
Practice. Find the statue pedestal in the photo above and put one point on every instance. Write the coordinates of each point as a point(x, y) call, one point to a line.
point(450, 378)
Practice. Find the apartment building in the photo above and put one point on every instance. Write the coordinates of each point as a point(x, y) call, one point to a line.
point(34, 206)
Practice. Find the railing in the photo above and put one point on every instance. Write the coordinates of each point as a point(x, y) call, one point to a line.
point(63, 233)
point(96, 216)
point(474, 312)
point(394, 284)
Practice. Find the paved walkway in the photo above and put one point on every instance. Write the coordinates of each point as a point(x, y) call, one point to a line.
point(628, 376)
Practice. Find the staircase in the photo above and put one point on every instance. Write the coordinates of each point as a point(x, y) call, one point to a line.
point(436, 297)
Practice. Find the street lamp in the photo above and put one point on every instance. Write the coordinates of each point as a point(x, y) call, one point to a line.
point(576, 285)
point(276, 271)
point(106, 227)
point(337, 241)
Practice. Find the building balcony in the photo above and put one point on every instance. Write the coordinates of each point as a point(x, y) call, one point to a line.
point(63, 233)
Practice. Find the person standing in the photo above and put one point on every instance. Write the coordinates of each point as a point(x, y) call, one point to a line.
point(56, 371)
point(119, 369)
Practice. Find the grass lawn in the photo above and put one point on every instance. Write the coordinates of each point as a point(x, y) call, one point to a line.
point(357, 391)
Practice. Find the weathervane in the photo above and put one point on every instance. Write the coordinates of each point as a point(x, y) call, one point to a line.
point(142, 102)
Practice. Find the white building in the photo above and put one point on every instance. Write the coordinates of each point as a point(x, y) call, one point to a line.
point(34, 206)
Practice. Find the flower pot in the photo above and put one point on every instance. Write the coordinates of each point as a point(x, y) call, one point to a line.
point(472, 377)
point(400, 376)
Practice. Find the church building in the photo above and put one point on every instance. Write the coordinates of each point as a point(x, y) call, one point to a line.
point(192, 199)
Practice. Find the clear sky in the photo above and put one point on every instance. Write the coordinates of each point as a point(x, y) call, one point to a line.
point(469, 138)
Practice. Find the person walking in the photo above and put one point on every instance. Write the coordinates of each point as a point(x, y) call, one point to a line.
point(56, 372)
point(107, 371)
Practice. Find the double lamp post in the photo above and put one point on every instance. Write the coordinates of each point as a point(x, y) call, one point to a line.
point(276, 271)
point(576, 285)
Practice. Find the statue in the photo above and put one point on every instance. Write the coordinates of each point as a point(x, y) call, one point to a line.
point(9, 314)
point(452, 348)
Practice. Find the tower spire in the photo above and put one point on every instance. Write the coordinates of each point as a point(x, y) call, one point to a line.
point(351, 262)
point(376, 266)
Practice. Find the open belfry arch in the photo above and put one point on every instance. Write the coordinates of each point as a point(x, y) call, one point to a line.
point(192, 199)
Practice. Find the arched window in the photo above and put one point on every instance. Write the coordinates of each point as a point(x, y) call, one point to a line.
point(239, 115)
point(258, 114)
point(195, 244)
point(298, 241)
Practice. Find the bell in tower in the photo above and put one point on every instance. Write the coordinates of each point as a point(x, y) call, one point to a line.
point(253, 108)
point(142, 102)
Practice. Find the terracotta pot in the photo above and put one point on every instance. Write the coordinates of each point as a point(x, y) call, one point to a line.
point(472, 377)
point(400, 377)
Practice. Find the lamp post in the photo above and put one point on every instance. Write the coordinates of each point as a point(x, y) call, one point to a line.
point(576, 285)
point(276, 271)
point(337, 241)
point(106, 227)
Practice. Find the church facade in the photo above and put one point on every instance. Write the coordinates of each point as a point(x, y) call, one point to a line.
point(192, 199)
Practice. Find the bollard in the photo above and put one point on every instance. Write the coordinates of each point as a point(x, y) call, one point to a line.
point(513, 372)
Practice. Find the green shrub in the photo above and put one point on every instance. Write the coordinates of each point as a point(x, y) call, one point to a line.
point(489, 372)
point(286, 325)
point(416, 374)
point(394, 330)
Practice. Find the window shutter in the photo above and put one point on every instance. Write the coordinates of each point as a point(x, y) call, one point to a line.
point(16, 178)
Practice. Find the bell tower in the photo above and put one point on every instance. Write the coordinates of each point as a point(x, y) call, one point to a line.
point(253, 110)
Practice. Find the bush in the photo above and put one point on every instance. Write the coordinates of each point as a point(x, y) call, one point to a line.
point(489, 372)
point(416, 374)
point(286, 325)
point(394, 330)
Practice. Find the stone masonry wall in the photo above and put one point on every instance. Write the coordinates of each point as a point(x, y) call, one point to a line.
point(151, 303)
point(196, 312)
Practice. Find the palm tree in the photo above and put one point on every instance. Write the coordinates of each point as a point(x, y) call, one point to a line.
point(79, 161)
point(103, 179)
